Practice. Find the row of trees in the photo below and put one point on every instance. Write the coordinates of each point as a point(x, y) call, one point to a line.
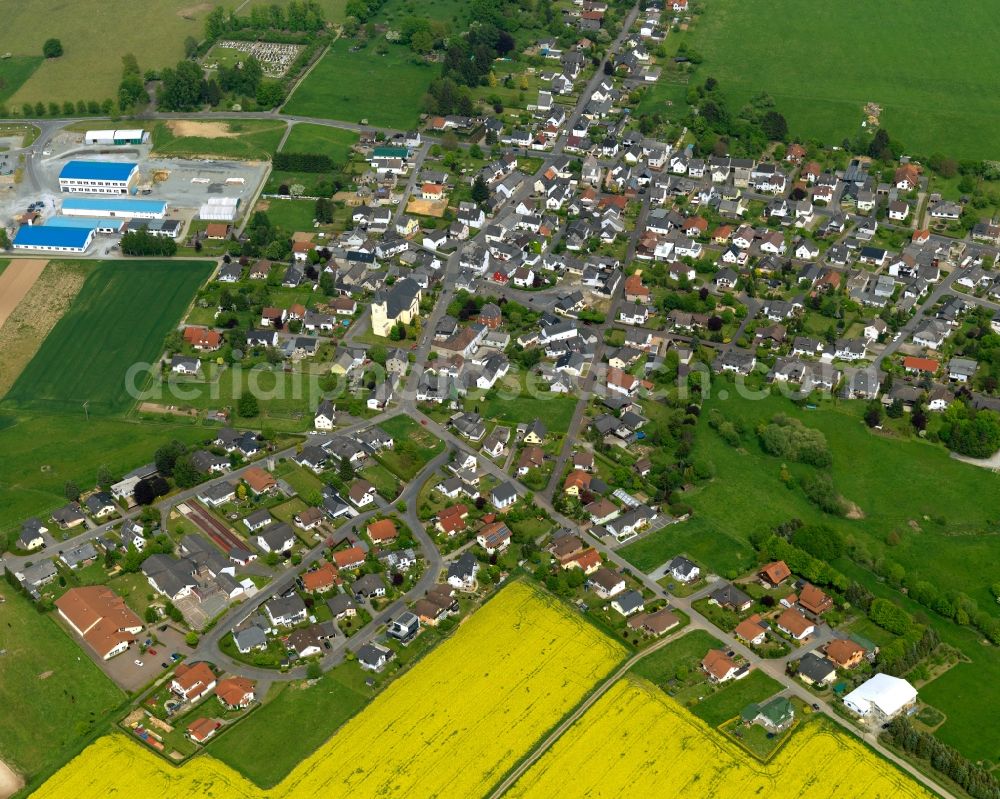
point(142, 242)
point(296, 16)
point(975, 780)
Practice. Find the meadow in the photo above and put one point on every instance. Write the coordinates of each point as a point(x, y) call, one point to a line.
point(119, 318)
point(636, 741)
point(464, 715)
point(251, 139)
point(944, 512)
point(934, 77)
point(95, 34)
point(52, 692)
point(322, 139)
point(14, 72)
point(386, 90)
point(41, 452)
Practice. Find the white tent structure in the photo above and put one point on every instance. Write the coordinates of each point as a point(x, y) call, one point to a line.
point(219, 209)
point(882, 697)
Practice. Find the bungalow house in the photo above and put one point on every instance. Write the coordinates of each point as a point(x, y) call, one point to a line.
point(350, 558)
point(813, 600)
point(753, 630)
point(373, 657)
point(731, 598)
point(774, 574)
point(235, 693)
point(844, 653)
point(813, 669)
point(628, 603)
point(793, 623)
point(606, 583)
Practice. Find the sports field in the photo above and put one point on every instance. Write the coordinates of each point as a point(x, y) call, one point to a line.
point(253, 139)
point(51, 691)
point(95, 34)
point(120, 317)
point(452, 726)
point(636, 741)
point(934, 76)
point(386, 89)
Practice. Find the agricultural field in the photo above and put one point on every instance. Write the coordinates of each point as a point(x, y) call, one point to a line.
point(386, 90)
point(519, 664)
point(822, 67)
point(94, 34)
point(41, 452)
point(120, 317)
point(29, 321)
point(250, 139)
point(14, 72)
point(638, 742)
point(69, 695)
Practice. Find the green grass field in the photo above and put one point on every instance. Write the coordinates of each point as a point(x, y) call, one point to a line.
point(661, 665)
point(292, 724)
point(555, 410)
point(120, 318)
point(321, 139)
point(945, 512)
point(823, 64)
point(386, 90)
point(731, 698)
point(53, 693)
point(291, 215)
point(14, 72)
point(41, 452)
point(95, 34)
point(256, 139)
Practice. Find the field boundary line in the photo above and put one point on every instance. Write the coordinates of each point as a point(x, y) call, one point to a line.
point(583, 707)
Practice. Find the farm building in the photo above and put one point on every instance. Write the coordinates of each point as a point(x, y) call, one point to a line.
point(219, 209)
point(53, 239)
point(116, 137)
point(97, 177)
point(126, 208)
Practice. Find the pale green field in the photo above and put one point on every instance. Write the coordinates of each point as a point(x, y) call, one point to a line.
point(95, 34)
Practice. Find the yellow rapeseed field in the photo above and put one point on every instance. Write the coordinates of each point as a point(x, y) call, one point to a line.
point(450, 728)
point(636, 741)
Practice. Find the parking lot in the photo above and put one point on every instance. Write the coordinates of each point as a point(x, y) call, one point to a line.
point(123, 669)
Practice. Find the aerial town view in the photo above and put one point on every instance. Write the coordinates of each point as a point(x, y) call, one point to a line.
point(499, 398)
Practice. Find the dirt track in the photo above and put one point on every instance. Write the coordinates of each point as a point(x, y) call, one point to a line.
point(15, 282)
point(10, 781)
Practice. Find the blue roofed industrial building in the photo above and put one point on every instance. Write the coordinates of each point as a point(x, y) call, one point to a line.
point(119, 207)
point(97, 177)
point(105, 225)
point(53, 239)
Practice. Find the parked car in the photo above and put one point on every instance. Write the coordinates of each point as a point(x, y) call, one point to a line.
point(138, 663)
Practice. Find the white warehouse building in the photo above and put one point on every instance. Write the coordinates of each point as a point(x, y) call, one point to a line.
point(116, 137)
point(124, 207)
point(881, 698)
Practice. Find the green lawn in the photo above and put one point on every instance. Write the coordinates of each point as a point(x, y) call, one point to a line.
point(688, 650)
point(413, 447)
point(255, 139)
point(291, 725)
point(732, 697)
point(52, 692)
point(321, 139)
point(301, 479)
point(292, 215)
point(119, 319)
point(555, 410)
point(821, 67)
point(14, 72)
point(385, 89)
point(42, 452)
